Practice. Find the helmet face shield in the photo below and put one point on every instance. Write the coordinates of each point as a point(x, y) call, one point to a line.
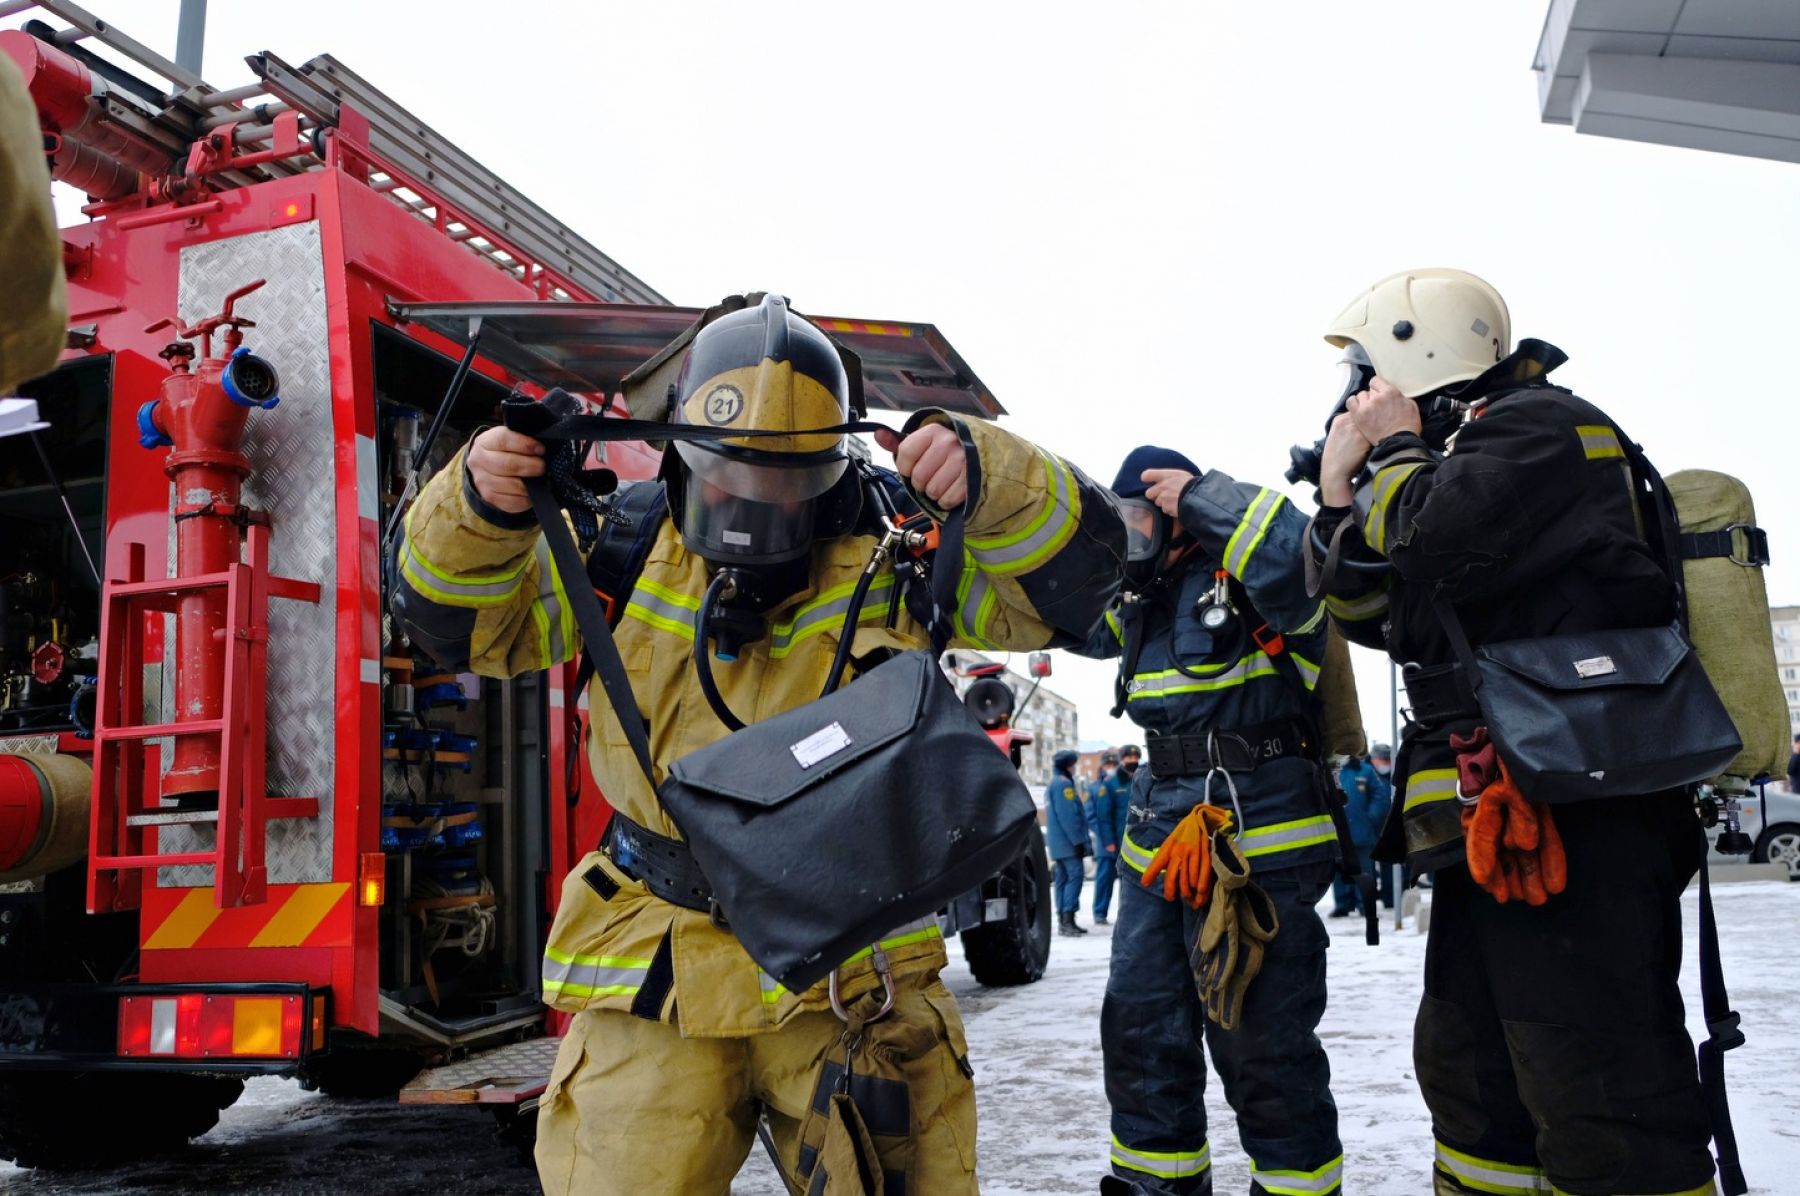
point(761, 477)
point(726, 529)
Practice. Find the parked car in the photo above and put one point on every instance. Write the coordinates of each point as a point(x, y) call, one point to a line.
point(1777, 840)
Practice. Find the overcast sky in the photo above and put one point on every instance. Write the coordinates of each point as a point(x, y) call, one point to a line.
point(1133, 220)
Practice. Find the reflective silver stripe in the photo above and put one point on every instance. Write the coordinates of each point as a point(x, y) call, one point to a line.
point(1023, 550)
point(1429, 785)
point(1287, 836)
point(1387, 484)
point(1300, 1183)
point(1165, 1164)
point(1318, 616)
point(812, 620)
point(649, 607)
point(1485, 1175)
point(1309, 672)
point(772, 989)
point(969, 617)
point(1251, 530)
point(1136, 857)
point(593, 975)
point(1353, 610)
point(1599, 442)
point(454, 590)
point(550, 605)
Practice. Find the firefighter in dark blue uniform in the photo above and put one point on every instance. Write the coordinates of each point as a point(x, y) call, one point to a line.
point(1220, 649)
point(1065, 822)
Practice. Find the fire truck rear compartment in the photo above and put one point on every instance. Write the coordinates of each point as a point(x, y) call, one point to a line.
point(462, 775)
point(49, 597)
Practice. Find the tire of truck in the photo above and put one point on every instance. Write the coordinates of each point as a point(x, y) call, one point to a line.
point(1016, 950)
point(70, 1121)
point(361, 1069)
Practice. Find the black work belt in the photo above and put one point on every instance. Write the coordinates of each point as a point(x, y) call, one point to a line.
point(1437, 693)
point(1242, 749)
point(665, 866)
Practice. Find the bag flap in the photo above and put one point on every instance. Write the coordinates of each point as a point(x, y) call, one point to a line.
point(1591, 659)
point(771, 761)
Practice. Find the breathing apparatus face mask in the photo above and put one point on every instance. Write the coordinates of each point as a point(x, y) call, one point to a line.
point(741, 511)
point(1146, 540)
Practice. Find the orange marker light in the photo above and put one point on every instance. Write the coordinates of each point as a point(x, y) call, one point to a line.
point(371, 889)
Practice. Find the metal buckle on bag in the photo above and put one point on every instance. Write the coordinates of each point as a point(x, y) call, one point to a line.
point(1756, 545)
point(715, 913)
point(883, 970)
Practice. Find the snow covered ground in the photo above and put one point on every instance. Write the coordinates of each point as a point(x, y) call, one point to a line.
point(1043, 1113)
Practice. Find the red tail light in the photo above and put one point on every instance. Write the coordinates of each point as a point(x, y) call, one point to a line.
point(212, 1026)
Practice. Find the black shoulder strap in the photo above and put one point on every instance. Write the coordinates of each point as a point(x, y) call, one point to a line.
point(634, 518)
point(1722, 1034)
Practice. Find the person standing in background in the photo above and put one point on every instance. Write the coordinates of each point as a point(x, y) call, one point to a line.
point(1366, 809)
point(1106, 838)
point(1381, 759)
point(1066, 822)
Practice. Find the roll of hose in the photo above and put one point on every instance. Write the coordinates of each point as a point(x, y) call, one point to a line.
point(43, 814)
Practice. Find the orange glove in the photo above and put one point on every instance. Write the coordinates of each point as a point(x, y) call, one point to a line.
point(1514, 850)
point(1184, 860)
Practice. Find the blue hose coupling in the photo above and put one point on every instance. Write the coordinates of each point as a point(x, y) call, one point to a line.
point(148, 435)
point(249, 381)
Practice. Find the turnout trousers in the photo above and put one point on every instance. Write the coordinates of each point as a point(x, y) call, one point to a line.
point(635, 1109)
point(1550, 1043)
point(1273, 1066)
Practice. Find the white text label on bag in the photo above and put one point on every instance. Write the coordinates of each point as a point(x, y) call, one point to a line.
point(1596, 666)
point(822, 744)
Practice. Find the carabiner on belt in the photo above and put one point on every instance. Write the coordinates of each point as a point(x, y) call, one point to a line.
point(1219, 770)
point(882, 969)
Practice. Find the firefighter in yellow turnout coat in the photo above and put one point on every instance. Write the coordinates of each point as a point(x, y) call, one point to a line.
point(680, 1040)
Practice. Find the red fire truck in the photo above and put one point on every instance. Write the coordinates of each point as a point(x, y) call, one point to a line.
point(244, 828)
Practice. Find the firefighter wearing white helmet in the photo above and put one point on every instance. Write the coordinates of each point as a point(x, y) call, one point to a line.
point(680, 1045)
point(1550, 1043)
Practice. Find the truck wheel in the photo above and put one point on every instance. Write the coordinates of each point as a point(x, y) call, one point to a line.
point(361, 1069)
point(49, 1119)
point(1016, 950)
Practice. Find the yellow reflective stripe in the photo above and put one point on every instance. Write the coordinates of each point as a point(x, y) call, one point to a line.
point(1112, 624)
point(1599, 442)
point(923, 934)
point(1165, 1164)
point(1309, 672)
point(440, 587)
point(827, 612)
point(1317, 1182)
point(592, 975)
point(1387, 484)
point(1317, 617)
point(1287, 836)
point(1709, 1188)
point(1356, 610)
point(672, 597)
point(772, 989)
point(974, 606)
point(1429, 785)
point(1136, 858)
point(1170, 682)
point(1262, 512)
point(1014, 552)
point(1487, 1175)
point(665, 609)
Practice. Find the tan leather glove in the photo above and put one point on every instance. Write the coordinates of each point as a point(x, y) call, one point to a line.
point(1240, 923)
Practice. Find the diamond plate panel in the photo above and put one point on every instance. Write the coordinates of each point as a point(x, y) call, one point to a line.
point(28, 745)
point(292, 477)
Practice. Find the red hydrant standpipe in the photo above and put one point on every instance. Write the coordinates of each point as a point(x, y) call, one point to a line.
point(200, 413)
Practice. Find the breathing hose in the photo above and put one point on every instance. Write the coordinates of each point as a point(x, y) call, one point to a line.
point(722, 581)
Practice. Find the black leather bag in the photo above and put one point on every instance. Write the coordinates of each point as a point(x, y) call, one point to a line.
point(823, 828)
point(1600, 713)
